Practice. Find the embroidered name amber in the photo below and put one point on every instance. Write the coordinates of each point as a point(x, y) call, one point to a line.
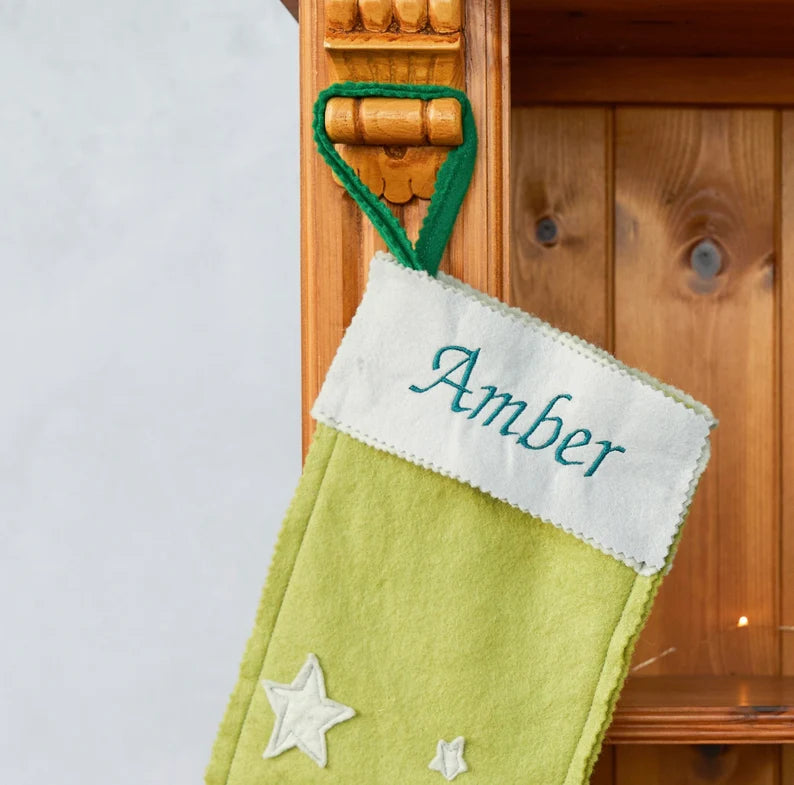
point(544, 431)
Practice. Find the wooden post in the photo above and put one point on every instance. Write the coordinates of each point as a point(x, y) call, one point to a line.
point(337, 241)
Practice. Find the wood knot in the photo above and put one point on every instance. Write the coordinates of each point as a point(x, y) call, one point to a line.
point(707, 261)
point(546, 231)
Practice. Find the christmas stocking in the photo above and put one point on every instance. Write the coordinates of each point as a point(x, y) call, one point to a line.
point(484, 517)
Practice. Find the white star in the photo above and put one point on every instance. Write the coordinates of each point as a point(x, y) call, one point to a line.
point(449, 758)
point(303, 713)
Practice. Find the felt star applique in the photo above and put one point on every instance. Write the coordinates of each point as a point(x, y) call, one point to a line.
point(449, 758)
point(304, 713)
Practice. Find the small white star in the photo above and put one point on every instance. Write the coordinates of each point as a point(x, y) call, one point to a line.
point(303, 713)
point(449, 758)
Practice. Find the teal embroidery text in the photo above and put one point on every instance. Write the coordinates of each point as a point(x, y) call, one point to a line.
point(544, 430)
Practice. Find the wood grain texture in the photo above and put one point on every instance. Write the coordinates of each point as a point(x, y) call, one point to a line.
point(397, 174)
point(292, 6)
point(397, 57)
point(561, 170)
point(445, 15)
point(651, 80)
point(394, 121)
point(411, 15)
point(367, 41)
point(651, 8)
point(751, 28)
point(787, 764)
point(704, 710)
point(786, 380)
point(337, 242)
point(683, 175)
point(698, 765)
point(341, 15)
point(394, 149)
point(395, 145)
point(375, 15)
point(604, 770)
point(560, 159)
point(397, 16)
point(626, 27)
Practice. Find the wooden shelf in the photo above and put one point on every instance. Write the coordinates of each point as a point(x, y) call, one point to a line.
point(705, 710)
point(647, 28)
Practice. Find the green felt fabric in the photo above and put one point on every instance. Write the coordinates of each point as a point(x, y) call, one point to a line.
point(435, 611)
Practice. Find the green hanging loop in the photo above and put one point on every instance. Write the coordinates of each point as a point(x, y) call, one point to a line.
point(451, 183)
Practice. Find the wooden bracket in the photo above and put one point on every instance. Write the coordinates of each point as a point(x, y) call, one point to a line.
point(394, 121)
point(415, 41)
point(395, 146)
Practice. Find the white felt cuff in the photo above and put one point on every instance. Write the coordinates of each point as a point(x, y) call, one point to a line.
point(455, 381)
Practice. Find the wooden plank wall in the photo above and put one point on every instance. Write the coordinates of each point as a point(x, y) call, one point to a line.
point(632, 190)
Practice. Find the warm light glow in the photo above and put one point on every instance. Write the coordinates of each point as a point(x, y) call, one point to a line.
point(743, 622)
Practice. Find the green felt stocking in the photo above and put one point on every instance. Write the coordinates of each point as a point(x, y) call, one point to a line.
point(452, 595)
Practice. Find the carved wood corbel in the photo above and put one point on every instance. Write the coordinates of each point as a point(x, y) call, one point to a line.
point(396, 146)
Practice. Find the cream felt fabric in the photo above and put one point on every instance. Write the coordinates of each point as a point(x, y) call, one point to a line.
point(448, 760)
point(383, 388)
point(304, 713)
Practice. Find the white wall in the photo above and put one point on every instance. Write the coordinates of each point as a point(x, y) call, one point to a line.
point(149, 379)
